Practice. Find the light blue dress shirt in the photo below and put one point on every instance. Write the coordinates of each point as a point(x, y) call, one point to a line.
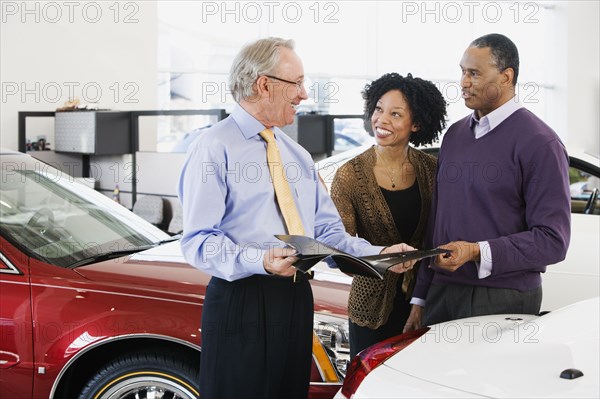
point(230, 212)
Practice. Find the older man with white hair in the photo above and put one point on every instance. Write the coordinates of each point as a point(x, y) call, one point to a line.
point(243, 181)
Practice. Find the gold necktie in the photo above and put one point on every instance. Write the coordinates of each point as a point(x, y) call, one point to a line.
point(283, 191)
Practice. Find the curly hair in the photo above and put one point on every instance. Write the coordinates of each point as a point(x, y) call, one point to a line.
point(427, 105)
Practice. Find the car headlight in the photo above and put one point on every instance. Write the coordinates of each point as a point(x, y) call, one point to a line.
point(333, 339)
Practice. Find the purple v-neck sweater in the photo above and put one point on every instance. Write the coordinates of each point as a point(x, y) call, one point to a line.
point(510, 188)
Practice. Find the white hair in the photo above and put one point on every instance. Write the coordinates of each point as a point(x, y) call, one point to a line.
point(255, 59)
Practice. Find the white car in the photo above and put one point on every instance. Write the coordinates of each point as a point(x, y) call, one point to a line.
point(500, 356)
point(575, 278)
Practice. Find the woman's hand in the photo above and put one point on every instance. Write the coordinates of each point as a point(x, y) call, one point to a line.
point(400, 267)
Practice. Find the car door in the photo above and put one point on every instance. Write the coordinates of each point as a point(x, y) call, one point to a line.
point(16, 337)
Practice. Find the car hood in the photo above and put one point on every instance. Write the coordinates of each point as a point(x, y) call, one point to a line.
point(502, 356)
point(160, 269)
point(164, 269)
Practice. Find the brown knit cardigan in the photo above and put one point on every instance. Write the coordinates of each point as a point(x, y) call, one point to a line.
point(365, 213)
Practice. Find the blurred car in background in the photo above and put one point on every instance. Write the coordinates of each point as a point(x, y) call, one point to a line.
point(98, 303)
point(499, 356)
point(578, 276)
point(350, 133)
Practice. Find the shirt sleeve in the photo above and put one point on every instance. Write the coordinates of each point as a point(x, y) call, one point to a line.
point(202, 192)
point(418, 301)
point(484, 266)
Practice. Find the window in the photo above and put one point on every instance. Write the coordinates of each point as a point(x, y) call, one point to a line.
point(39, 211)
point(584, 181)
point(346, 44)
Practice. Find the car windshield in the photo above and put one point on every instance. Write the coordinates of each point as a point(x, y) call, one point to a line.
point(62, 222)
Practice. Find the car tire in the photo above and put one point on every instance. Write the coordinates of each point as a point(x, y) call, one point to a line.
point(133, 375)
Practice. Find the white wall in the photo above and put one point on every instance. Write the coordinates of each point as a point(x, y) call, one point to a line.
point(45, 46)
point(102, 52)
point(583, 76)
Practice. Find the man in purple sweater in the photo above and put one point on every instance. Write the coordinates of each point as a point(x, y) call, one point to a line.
point(502, 200)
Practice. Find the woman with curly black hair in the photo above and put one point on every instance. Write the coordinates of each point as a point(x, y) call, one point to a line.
point(384, 196)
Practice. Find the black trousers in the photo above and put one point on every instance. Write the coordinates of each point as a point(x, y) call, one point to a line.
point(256, 338)
point(363, 337)
point(452, 302)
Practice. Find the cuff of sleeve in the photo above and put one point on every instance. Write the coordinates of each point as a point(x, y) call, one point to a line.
point(376, 250)
point(484, 266)
point(252, 260)
point(418, 301)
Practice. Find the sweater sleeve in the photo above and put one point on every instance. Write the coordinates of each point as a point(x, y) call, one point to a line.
point(341, 194)
point(425, 273)
point(547, 204)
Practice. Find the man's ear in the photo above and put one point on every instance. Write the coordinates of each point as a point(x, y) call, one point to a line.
point(508, 76)
point(262, 85)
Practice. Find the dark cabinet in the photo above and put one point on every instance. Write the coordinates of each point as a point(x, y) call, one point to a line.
point(93, 132)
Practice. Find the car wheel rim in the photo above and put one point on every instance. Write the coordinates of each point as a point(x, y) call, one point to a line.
point(148, 387)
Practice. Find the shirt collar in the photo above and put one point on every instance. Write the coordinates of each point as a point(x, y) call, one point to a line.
point(247, 123)
point(498, 115)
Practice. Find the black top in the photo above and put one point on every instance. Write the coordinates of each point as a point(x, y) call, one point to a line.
point(405, 206)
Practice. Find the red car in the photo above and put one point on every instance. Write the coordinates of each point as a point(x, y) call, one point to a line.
point(97, 303)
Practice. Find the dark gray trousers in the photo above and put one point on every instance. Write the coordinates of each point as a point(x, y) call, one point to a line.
point(452, 302)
